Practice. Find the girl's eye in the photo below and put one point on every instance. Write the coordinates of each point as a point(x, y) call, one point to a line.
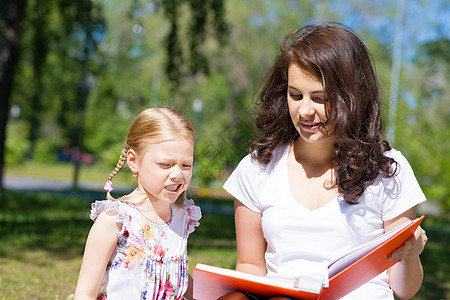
point(164, 165)
point(187, 166)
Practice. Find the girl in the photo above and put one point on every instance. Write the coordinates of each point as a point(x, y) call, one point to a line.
point(321, 179)
point(136, 248)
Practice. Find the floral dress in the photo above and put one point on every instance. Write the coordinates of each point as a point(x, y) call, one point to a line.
point(150, 260)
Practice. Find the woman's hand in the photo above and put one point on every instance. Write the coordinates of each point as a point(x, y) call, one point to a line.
point(406, 276)
point(412, 247)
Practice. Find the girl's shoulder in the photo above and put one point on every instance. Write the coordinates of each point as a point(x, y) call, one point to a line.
point(193, 214)
point(116, 209)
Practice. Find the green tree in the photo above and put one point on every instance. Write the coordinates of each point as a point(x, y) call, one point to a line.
point(425, 125)
point(63, 62)
point(11, 14)
point(39, 48)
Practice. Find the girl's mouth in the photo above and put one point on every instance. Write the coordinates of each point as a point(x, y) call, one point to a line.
point(174, 188)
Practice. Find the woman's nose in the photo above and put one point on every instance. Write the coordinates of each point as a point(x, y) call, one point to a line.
point(306, 107)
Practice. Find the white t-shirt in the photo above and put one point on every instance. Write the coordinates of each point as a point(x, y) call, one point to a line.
point(296, 235)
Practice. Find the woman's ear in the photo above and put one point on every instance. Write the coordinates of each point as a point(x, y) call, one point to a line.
point(132, 161)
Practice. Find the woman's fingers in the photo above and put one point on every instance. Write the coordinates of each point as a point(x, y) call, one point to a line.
point(412, 247)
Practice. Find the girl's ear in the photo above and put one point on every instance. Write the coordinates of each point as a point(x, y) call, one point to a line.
point(132, 161)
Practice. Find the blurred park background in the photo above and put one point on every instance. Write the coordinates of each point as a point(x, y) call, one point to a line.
point(74, 74)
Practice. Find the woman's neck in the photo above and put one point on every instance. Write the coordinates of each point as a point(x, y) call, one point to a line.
point(316, 158)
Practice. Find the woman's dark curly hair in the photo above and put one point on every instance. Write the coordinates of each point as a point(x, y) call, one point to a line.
point(334, 55)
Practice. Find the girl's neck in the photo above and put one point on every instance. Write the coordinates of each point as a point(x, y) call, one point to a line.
point(156, 211)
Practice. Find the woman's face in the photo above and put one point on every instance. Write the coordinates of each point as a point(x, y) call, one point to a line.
point(306, 102)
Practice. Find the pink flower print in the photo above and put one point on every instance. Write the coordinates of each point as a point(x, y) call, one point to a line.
point(166, 289)
point(158, 250)
point(191, 225)
point(193, 222)
point(137, 239)
point(101, 297)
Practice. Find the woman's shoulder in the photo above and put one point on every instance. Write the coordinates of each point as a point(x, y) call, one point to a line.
point(251, 161)
point(250, 177)
point(400, 160)
point(393, 153)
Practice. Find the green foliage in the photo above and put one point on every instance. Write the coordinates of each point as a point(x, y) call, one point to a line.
point(17, 144)
point(424, 129)
point(127, 63)
point(45, 151)
point(111, 155)
point(58, 50)
point(203, 13)
point(44, 235)
point(106, 137)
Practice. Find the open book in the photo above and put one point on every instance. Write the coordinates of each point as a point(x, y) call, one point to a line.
point(346, 272)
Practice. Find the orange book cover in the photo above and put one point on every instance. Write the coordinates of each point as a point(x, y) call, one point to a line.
point(346, 273)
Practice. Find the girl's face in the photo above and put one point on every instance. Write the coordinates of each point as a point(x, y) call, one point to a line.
point(165, 169)
point(306, 102)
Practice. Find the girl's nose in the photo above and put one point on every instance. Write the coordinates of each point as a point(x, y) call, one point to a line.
point(175, 174)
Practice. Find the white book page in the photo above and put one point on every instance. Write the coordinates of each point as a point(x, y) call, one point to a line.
point(340, 262)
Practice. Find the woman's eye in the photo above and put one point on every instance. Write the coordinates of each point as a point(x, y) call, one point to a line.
point(296, 96)
point(320, 100)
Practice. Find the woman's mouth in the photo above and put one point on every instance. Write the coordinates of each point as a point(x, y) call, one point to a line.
point(310, 126)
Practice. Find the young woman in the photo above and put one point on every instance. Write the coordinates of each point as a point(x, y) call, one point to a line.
point(321, 179)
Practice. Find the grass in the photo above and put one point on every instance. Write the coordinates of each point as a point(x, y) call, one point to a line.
point(43, 239)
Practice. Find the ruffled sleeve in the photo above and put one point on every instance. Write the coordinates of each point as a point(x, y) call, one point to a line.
point(112, 208)
point(194, 214)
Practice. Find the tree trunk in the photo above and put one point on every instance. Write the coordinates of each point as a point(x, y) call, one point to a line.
point(11, 13)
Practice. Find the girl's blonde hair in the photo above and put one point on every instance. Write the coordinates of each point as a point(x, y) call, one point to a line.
point(153, 125)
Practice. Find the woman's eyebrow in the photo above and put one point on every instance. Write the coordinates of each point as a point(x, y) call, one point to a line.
point(315, 92)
